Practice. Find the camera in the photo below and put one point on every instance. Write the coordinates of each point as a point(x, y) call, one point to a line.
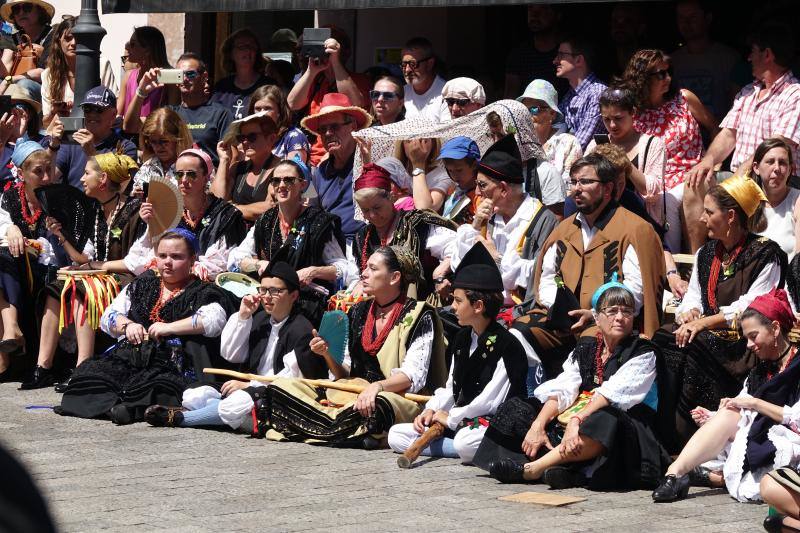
point(170, 76)
point(314, 43)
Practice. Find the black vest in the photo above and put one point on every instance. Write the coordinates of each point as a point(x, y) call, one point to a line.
point(585, 352)
point(471, 373)
point(295, 335)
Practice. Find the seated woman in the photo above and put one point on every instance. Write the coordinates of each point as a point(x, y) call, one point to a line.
point(217, 225)
point(755, 431)
point(274, 342)
point(167, 326)
point(164, 135)
point(428, 236)
point(26, 255)
point(307, 238)
point(395, 345)
point(609, 441)
point(706, 352)
point(246, 183)
point(772, 165)
point(430, 183)
point(116, 213)
point(291, 140)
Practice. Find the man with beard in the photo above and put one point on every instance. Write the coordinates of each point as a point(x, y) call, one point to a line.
point(424, 86)
point(335, 123)
point(582, 253)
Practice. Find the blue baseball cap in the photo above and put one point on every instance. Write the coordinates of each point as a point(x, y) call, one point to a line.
point(460, 148)
point(100, 96)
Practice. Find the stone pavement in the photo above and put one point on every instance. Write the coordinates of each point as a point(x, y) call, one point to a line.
point(97, 476)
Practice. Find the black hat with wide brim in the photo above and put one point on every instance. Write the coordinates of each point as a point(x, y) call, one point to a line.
point(502, 161)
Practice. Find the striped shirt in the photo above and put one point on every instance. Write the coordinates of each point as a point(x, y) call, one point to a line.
point(757, 118)
point(581, 109)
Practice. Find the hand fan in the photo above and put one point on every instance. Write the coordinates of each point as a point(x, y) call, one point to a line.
point(334, 329)
point(167, 202)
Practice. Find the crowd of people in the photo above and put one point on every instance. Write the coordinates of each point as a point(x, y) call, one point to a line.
point(504, 267)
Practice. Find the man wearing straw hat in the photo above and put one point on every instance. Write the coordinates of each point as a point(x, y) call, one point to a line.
point(335, 123)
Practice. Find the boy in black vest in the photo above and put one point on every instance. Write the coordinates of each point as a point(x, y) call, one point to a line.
point(488, 365)
point(268, 338)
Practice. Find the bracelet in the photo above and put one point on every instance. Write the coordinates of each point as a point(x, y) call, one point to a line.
point(140, 94)
point(579, 418)
point(671, 272)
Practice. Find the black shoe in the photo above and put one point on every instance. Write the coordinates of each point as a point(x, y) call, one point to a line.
point(121, 415)
point(774, 524)
point(563, 477)
point(161, 416)
point(699, 477)
point(507, 471)
point(42, 377)
point(671, 489)
point(61, 387)
point(12, 346)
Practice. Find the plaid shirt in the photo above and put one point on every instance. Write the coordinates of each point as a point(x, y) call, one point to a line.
point(776, 113)
point(581, 109)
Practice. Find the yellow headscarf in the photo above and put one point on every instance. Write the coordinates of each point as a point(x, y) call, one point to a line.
point(116, 166)
point(746, 192)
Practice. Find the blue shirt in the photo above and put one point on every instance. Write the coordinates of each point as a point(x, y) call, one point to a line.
point(335, 190)
point(581, 109)
point(71, 159)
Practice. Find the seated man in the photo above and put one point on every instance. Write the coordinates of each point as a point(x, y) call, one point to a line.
point(582, 253)
point(274, 342)
point(488, 365)
point(463, 96)
point(506, 217)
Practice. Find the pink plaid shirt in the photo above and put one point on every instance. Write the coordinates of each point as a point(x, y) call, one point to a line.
point(776, 113)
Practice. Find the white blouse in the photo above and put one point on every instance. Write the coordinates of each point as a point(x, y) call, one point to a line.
point(214, 260)
point(46, 257)
point(235, 347)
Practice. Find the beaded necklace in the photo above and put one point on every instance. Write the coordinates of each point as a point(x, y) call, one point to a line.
point(716, 266)
point(192, 223)
point(109, 224)
point(155, 313)
point(30, 219)
point(372, 342)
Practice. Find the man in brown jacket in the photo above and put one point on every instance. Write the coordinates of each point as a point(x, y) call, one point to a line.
point(583, 252)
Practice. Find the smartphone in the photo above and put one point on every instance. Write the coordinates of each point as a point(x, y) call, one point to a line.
point(6, 106)
point(71, 125)
point(601, 138)
point(170, 76)
point(314, 42)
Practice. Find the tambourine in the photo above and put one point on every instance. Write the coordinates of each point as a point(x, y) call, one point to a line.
point(239, 284)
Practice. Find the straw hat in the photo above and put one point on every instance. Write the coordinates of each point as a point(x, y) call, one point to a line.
point(336, 103)
point(20, 94)
point(5, 9)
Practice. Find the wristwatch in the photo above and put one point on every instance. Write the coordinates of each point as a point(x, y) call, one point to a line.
point(8, 79)
point(417, 171)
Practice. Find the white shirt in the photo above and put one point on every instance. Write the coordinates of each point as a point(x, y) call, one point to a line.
point(485, 403)
point(211, 315)
point(631, 273)
point(429, 104)
point(781, 222)
point(235, 347)
point(46, 257)
point(141, 254)
point(766, 281)
point(506, 237)
point(628, 386)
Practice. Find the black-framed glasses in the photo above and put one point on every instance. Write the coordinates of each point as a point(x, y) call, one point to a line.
point(612, 311)
point(124, 59)
point(583, 182)
point(249, 137)
point(333, 128)
point(288, 180)
point(190, 174)
point(462, 102)
point(386, 95)
point(158, 142)
point(271, 291)
point(661, 74)
point(413, 64)
point(16, 9)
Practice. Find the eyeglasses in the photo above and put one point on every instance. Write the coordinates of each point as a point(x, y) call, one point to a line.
point(560, 54)
point(124, 59)
point(661, 74)
point(190, 74)
point(386, 95)
point(249, 137)
point(20, 8)
point(289, 181)
point(482, 185)
point(333, 128)
point(414, 63)
point(583, 182)
point(611, 312)
point(462, 102)
point(158, 142)
point(190, 174)
point(271, 291)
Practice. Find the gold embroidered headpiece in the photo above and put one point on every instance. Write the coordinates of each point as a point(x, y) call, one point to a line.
point(746, 192)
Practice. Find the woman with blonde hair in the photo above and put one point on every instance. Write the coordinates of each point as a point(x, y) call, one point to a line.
point(430, 183)
point(164, 135)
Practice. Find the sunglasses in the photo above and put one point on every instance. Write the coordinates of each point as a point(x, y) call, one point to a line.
point(250, 137)
point(462, 102)
point(386, 95)
point(21, 8)
point(289, 181)
point(158, 142)
point(414, 63)
point(535, 109)
point(89, 108)
point(661, 74)
point(190, 74)
point(190, 174)
point(272, 291)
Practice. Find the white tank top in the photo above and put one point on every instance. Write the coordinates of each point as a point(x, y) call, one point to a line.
point(780, 222)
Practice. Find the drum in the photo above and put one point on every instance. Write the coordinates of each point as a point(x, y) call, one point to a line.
point(96, 288)
point(343, 300)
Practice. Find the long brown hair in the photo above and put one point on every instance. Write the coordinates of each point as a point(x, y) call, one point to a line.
point(57, 61)
point(274, 93)
point(636, 77)
point(227, 51)
point(754, 224)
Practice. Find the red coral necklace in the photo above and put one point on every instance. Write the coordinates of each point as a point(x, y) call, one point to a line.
point(371, 340)
point(30, 219)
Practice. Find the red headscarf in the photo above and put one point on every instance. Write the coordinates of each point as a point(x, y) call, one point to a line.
point(775, 306)
point(374, 176)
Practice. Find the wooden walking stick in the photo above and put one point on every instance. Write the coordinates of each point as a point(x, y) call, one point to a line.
point(347, 387)
point(435, 431)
